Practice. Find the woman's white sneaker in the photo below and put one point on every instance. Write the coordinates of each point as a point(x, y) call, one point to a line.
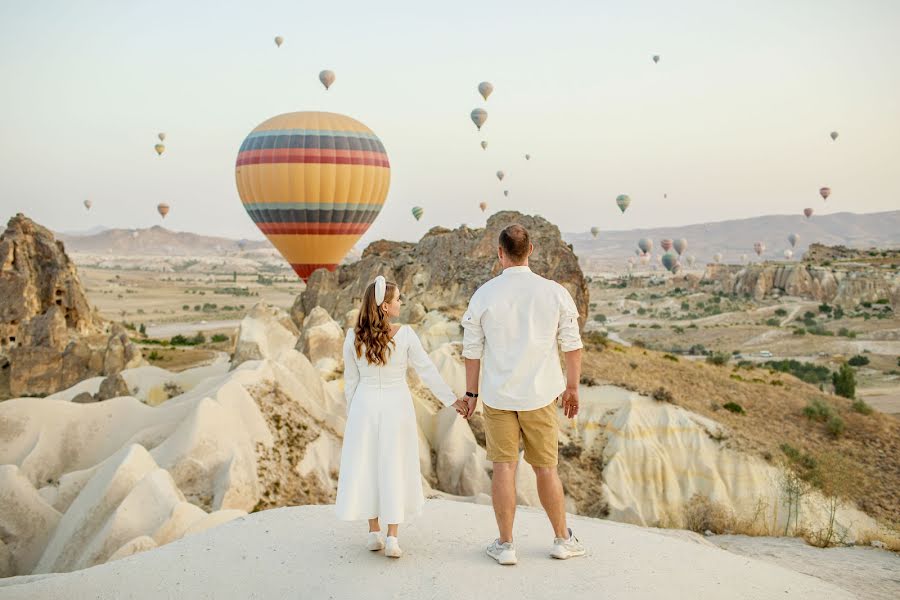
point(503, 553)
point(392, 547)
point(567, 548)
point(374, 541)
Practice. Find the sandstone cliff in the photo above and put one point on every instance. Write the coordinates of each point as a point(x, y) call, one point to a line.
point(443, 269)
point(50, 337)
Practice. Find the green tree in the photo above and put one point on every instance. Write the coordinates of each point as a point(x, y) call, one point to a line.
point(844, 381)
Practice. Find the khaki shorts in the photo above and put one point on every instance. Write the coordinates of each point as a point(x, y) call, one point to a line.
point(539, 429)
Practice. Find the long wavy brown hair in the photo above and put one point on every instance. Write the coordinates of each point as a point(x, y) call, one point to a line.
point(373, 330)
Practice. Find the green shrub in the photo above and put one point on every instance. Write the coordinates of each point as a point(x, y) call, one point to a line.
point(844, 382)
point(685, 305)
point(718, 358)
point(799, 331)
point(670, 357)
point(835, 426)
point(858, 361)
point(220, 337)
point(808, 372)
point(656, 326)
point(861, 407)
point(824, 308)
point(817, 410)
point(600, 318)
point(780, 312)
point(733, 407)
point(154, 355)
point(773, 322)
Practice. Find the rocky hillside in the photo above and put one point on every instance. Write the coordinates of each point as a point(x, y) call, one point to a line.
point(50, 337)
point(443, 270)
point(156, 241)
point(844, 285)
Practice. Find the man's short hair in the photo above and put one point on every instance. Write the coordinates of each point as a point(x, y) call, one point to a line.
point(515, 242)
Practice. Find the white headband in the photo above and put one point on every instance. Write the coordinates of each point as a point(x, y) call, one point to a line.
point(380, 287)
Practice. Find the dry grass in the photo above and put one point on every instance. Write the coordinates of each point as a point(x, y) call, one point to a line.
point(773, 416)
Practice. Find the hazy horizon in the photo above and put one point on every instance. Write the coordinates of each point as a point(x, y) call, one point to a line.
point(732, 123)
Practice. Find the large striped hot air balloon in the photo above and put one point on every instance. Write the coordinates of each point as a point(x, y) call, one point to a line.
point(313, 182)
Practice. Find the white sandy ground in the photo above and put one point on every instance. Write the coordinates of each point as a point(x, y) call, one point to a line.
point(869, 572)
point(303, 552)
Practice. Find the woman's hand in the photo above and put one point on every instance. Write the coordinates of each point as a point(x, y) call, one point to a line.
point(462, 408)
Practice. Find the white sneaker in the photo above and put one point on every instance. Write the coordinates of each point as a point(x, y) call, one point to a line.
point(503, 553)
point(567, 548)
point(392, 547)
point(374, 541)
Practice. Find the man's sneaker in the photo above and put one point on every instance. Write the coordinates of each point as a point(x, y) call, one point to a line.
point(567, 548)
point(392, 547)
point(375, 542)
point(503, 553)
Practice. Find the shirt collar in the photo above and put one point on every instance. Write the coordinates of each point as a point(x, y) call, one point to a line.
point(518, 269)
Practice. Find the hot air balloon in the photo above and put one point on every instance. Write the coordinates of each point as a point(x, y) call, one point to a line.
point(808, 212)
point(327, 78)
point(834, 136)
point(825, 192)
point(792, 238)
point(717, 257)
point(279, 40)
point(417, 212)
point(680, 246)
point(595, 231)
point(482, 206)
point(506, 193)
point(789, 254)
point(478, 116)
point(656, 58)
point(527, 157)
point(163, 209)
point(159, 149)
point(162, 136)
point(623, 200)
point(500, 175)
point(759, 248)
point(88, 204)
point(485, 88)
point(666, 245)
point(669, 260)
point(313, 182)
point(241, 244)
point(645, 244)
point(484, 145)
point(691, 260)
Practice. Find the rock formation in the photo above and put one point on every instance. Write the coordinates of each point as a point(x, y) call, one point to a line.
point(50, 337)
point(443, 269)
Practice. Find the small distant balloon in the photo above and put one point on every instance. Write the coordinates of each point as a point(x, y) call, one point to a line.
point(159, 149)
point(834, 136)
point(506, 193)
point(759, 248)
point(527, 157)
point(666, 245)
point(417, 212)
point(808, 212)
point(485, 88)
point(595, 231)
point(484, 145)
point(623, 200)
point(88, 204)
point(482, 206)
point(789, 254)
point(825, 192)
point(162, 136)
point(717, 257)
point(656, 58)
point(680, 246)
point(279, 40)
point(163, 209)
point(645, 244)
point(691, 260)
point(669, 261)
point(500, 175)
point(327, 78)
point(478, 116)
point(792, 238)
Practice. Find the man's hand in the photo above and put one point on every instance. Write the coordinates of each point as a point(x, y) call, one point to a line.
point(471, 403)
point(462, 407)
point(570, 402)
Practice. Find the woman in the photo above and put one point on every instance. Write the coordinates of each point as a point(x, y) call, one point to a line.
point(379, 474)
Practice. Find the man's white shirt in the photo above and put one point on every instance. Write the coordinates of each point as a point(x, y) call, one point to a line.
point(513, 324)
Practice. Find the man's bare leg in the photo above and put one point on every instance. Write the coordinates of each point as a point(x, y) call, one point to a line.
point(550, 491)
point(503, 494)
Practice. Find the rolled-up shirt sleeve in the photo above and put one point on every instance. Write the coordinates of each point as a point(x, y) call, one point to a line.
point(473, 334)
point(567, 332)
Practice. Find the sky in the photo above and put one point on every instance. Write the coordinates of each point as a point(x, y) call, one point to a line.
point(732, 122)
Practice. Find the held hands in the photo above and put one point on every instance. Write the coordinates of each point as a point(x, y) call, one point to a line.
point(465, 406)
point(570, 402)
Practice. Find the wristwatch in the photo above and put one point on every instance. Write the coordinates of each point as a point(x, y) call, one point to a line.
point(471, 395)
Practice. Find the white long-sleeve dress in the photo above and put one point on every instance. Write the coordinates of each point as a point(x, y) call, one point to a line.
point(379, 474)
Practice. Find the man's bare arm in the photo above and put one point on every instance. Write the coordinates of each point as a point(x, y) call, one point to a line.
point(473, 372)
point(573, 377)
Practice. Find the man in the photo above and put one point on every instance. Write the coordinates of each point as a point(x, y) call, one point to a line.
point(513, 324)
